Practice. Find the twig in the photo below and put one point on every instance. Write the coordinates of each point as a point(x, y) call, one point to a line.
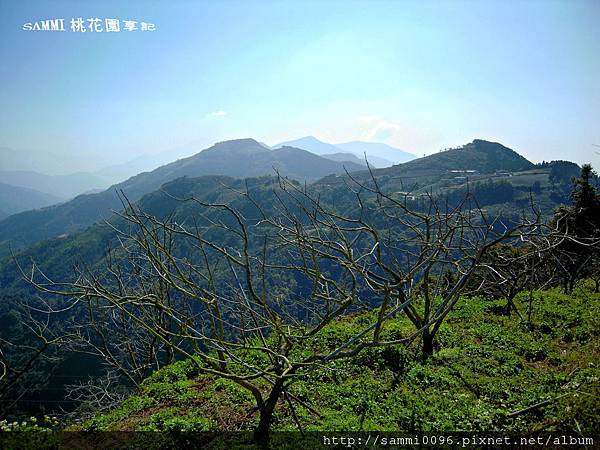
point(537, 405)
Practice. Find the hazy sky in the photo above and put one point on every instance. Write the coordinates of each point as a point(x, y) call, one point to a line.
point(418, 75)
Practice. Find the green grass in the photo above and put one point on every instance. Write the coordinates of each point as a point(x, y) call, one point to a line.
point(485, 366)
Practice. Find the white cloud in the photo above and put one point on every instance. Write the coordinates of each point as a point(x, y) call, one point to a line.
point(397, 131)
point(375, 128)
point(219, 113)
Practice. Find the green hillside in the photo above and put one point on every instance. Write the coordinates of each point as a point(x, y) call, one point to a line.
point(480, 156)
point(58, 256)
point(487, 370)
point(454, 166)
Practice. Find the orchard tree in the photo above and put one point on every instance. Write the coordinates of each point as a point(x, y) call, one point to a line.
point(577, 228)
point(415, 254)
point(237, 295)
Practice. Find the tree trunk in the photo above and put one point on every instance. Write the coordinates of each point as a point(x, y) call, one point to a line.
point(261, 433)
point(571, 284)
point(509, 306)
point(427, 347)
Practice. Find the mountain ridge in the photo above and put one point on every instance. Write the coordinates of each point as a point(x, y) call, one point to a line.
point(377, 150)
point(378, 154)
point(29, 227)
point(345, 157)
point(238, 158)
point(180, 186)
point(14, 199)
point(479, 155)
point(63, 186)
point(311, 144)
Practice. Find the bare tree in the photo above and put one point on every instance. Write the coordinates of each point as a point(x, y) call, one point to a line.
point(595, 272)
point(24, 359)
point(505, 271)
point(96, 394)
point(398, 242)
point(577, 230)
point(241, 286)
point(233, 293)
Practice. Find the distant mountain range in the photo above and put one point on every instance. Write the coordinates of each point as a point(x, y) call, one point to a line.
point(14, 199)
point(64, 186)
point(38, 170)
point(312, 144)
point(77, 234)
point(201, 176)
point(51, 161)
point(345, 157)
point(378, 155)
point(143, 163)
point(34, 160)
point(79, 238)
point(29, 169)
point(238, 158)
point(245, 158)
point(375, 151)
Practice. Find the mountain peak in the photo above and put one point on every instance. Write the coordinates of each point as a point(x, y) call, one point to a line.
point(306, 140)
point(245, 146)
point(500, 155)
point(484, 145)
point(238, 143)
point(310, 139)
point(311, 144)
point(480, 155)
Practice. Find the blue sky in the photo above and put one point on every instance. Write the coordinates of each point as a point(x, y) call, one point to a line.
point(417, 75)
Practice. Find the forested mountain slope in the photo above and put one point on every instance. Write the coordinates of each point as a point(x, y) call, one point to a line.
point(14, 199)
point(476, 158)
point(237, 158)
point(508, 194)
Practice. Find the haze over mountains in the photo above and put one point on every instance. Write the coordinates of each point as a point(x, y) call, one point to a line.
point(378, 154)
point(238, 158)
point(40, 171)
point(52, 173)
point(246, 158)
point(47, 161)
point(504, 175)
point(116, 173)
point(346, 157)
point(63, 186)
point(377, 150)
point(29, 172)
point(14, 199)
